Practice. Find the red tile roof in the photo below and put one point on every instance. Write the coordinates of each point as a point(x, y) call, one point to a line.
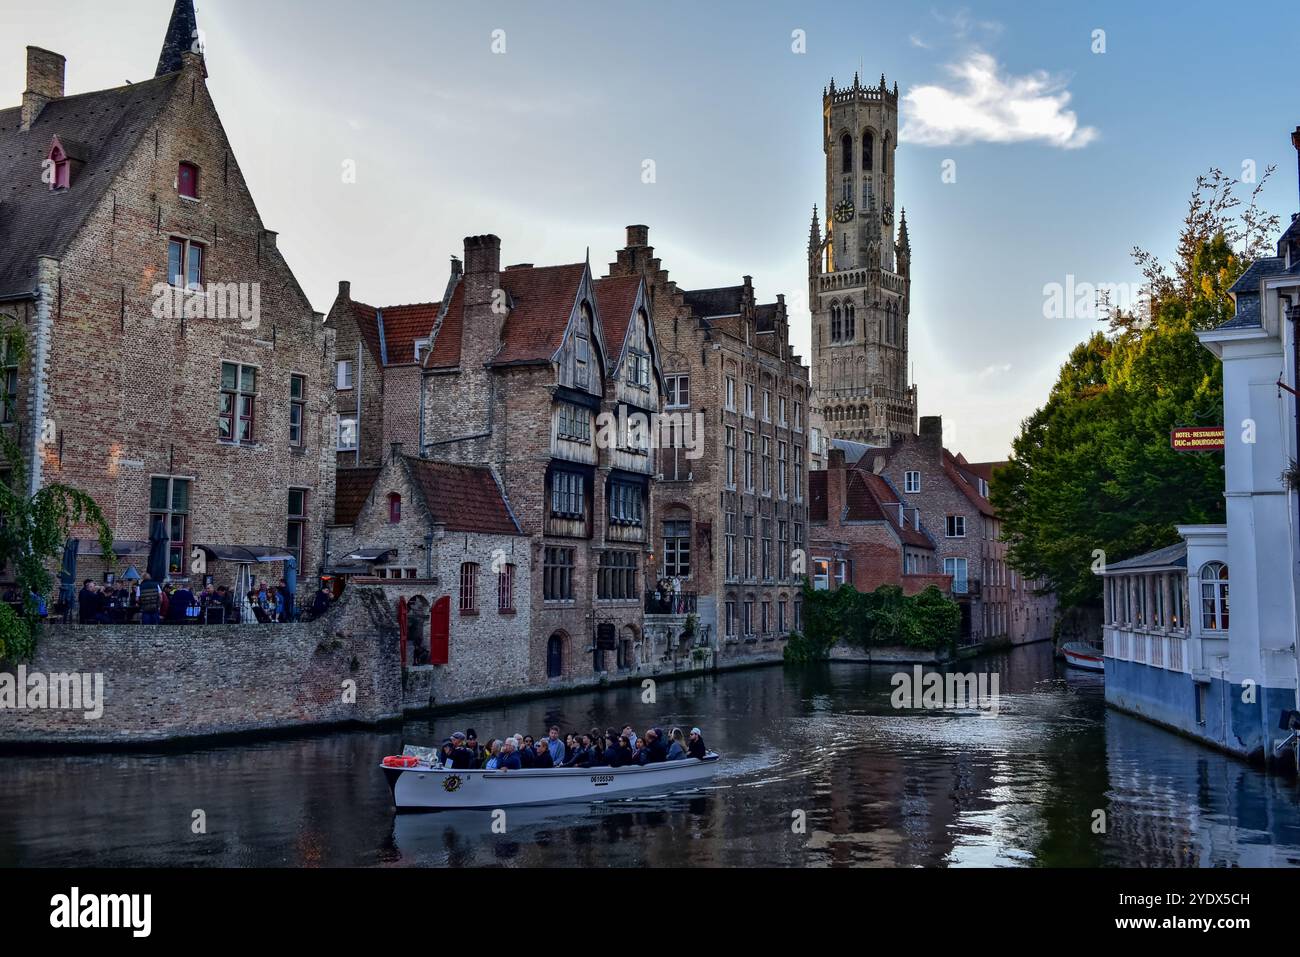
point(464, 498)
point(865, 485)
point(445, 353)
point(542, 301)
point(402, 326)
point(615, 299)
point(351, 489)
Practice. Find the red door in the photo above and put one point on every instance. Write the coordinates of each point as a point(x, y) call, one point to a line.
point(440, 631)
point(402, 626)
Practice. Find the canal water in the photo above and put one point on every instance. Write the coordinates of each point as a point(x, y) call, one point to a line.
point(1055, 779)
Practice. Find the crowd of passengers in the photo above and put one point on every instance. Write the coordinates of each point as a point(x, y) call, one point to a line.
point(608, 749)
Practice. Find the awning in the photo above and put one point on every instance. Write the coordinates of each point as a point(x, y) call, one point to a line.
point(341, 570)
point(245, 554)
point(373, 555)
point(89, 548)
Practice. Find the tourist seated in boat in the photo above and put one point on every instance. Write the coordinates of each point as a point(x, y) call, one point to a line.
point(581, 756)
point(695, 748)
point(444, 752)
point(542, 755)
point(677, 750)
point(471, 742)
point(490, 754)
point(508, 759)
point(462, 758)
point(555, 745)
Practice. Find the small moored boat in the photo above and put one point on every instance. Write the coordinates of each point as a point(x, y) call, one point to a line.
point(420, 786)
point(1079, 654)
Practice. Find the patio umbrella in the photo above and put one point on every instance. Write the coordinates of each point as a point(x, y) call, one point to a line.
point(158, 552)
point(131, 575)
point(291, 585)
point(68, 574)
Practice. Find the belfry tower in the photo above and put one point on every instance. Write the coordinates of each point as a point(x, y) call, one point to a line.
point(859, 276)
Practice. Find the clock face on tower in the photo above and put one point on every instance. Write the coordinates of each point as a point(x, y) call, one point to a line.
point(844, 212)
point(887, 214)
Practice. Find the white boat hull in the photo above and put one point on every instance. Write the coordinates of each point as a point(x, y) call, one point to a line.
point(427, 788)
point(1084, 657)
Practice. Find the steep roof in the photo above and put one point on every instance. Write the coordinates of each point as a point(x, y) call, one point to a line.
point(445, 353)
point(464, 498)
point(542, 299)
point(392, 340)
point(182, 31)
point(958, 474)
point(34, 220)
point(351, 489)
point(871, 498)
point(615, 299)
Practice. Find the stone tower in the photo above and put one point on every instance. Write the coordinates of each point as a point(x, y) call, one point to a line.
point(859, 274)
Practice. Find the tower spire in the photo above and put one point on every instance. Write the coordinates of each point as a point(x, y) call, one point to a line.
point(182, 37)
point(903, 241)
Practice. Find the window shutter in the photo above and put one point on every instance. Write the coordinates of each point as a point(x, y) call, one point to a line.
point(440, 632)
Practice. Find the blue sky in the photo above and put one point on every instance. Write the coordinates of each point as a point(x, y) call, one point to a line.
point(1065, 158)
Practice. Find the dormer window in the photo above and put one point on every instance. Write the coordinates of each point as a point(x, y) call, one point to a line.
point(394, 509)
point(59, 167)
point(187, 181)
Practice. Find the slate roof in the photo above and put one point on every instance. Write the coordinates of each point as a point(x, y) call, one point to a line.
point(706, 303)
point(1171, 556)
point(351, 489)
point(34, 220)
point(765, 317)
point(464, 498)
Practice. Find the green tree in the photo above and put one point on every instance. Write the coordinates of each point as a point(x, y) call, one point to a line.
point(1092, 476)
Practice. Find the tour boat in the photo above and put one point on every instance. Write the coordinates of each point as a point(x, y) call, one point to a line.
point(1079, 654)
point(418, 785)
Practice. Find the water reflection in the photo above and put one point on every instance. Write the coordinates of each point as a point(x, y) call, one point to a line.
point(873, 786)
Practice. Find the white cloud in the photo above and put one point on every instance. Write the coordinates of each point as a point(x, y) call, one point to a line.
point(996, 370)
point(986, 106)
point(918, 42)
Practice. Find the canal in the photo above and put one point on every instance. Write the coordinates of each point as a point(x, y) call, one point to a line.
point(873, 786)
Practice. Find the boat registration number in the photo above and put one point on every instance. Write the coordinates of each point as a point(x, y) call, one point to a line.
point(601, 779)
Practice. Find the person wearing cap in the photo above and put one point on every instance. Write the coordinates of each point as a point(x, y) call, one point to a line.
point(696, 748)
point(462, 758)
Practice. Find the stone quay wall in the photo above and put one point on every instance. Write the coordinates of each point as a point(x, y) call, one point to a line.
point(166, 683)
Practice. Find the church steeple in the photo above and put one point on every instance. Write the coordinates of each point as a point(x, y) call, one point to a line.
point(182, 37)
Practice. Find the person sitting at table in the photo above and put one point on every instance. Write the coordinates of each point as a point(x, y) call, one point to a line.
point(178, 608)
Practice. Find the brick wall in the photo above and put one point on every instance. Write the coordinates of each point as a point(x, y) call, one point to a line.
point(162, 682)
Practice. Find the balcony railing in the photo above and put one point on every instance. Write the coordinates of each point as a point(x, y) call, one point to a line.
point(671, 603)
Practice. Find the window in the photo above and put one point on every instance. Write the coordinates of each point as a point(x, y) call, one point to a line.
point(557, 574)
point(185, 263)
point(821, 574)
point(749, 617)
point(868, 151)
point(749, 461)
point(780, 616)
point(749, 546)
point(567, 495)
point(469, 588)
point(616, 579)
point(749, 399)
point(169, 503)
point(850, 330)
point(766, 620)
point(9, 381)
point(731, 545)
point(1214, 596)
point(841, 572)
point(297, 408)
point(238, 402)
point(731, 457)
point(679, 391)
point(506, 589)
point(912, 482)
point(956, 526)
point(187, 181)
point(798, 473)
point(780, 404)
point(846, 154)
point(731, 394)
point(624, 503)
point(957, 568)
point(639, 369)
point(62, 168)
point(677, 549)
point(767, 406)
point(836, 323)
point(343, 378)
point(798, 416)
point(767, 466)
point(582, 350)
point(347, 433)
point(783, 548)
point(731, 619)
point(394, 508)
point(765, 549)
point(297, 533)
point(573, 423)
point(782, 467)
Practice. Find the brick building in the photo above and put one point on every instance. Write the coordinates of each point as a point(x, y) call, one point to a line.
point(549, 377)
point(442, 537)
point(863, 533)
point(732, 512)
point(175, 370)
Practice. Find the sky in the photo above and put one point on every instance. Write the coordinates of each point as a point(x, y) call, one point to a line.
point(376, 136)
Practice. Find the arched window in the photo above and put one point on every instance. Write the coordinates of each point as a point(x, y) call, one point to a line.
point(884, 156)
point(1214, 596)
point(846, 154)
point(394, 508)
point(849, 330)
point(868, 151)
point(835, 323)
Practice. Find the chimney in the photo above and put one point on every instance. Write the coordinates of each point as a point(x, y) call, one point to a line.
point(483, 316)
point(836, 476)
point(345, 290)
point(44, 83)
point(932, 434)
point(638, 236)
